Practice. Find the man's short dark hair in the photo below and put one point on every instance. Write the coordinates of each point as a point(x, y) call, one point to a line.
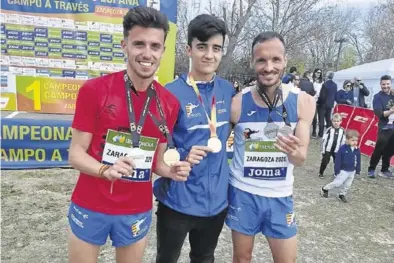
point(385, 77)
point(293, 69)
point(306, 73)
point(265, 36)
point(147, 17)
point(204, 26)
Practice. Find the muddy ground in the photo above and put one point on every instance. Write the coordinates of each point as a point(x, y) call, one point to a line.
point(35, 203)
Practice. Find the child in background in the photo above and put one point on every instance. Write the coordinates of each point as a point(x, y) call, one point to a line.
point(347, 164)
point(332, 139)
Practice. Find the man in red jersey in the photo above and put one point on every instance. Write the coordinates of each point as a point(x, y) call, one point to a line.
point(121, 130)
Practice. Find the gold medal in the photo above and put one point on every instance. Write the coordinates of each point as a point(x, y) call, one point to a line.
point(171, 156)
point(215, 144)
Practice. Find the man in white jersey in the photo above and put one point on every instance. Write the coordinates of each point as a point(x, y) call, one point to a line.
point(261, 181)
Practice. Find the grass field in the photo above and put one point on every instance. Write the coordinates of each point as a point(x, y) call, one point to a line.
point(35, 203)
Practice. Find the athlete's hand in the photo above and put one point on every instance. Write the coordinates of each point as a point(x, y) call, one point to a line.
point(197, 153)
point(180, 171)
point(287, 144)
point(124, 166)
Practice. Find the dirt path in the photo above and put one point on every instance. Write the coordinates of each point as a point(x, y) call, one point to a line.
point(35, 203)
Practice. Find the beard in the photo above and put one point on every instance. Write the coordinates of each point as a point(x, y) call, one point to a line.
point(278, 82)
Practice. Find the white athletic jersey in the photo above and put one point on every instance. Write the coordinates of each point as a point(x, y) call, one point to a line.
point(257, 166)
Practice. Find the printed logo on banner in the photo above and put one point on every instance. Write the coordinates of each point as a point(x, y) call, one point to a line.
point(360, 119)
point(370, 143)
point(344, 115)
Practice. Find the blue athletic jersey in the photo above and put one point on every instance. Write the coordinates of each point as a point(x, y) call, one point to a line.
point(205, 191)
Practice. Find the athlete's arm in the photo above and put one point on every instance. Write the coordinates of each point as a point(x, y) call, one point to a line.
point(84, 125)
point(236, 105)
point(178, 171)
point(306, 111)
point(83, 162)
point(296, 147)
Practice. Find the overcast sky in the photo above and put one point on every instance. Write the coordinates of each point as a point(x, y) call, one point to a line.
point(363, 5)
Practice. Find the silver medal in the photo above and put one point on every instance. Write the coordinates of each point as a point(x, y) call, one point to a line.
point(271, 130)
point(285, 130)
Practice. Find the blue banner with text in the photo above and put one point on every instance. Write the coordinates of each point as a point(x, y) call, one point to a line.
point(30, 143)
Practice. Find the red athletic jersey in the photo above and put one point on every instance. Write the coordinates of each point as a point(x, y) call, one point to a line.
point(102, 105)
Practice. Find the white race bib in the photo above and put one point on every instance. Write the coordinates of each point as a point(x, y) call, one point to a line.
point(263, 161)
point(119, 144)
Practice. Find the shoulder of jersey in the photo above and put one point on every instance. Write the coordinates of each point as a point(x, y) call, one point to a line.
point(164, 92)
point(291, 88)
point(225, 82)
point(174, 85)
point(246, 89)
point(99, 81)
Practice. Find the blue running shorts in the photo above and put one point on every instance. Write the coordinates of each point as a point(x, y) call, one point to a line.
point(94, 228)
point(250, 214)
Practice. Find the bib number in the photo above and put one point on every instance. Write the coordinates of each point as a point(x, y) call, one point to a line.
point(139, 175)
point(263, 161)
point(118, 144)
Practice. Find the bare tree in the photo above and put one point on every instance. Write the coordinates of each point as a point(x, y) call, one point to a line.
point(235, 14)
point(379, 32)
point(332, 23)
point(181, 58)
point(293, 19)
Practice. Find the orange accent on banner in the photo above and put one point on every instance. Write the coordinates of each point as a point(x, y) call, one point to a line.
point(110, 11)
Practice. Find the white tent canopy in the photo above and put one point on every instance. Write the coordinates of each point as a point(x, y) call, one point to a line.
point(369, 71)
point(370, 74)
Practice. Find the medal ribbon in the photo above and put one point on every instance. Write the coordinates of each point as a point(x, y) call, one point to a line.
point(212, 122)
point(272, 105)
point(134, 128)
point(162, 124)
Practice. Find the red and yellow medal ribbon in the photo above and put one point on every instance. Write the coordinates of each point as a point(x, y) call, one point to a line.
point(212, 121)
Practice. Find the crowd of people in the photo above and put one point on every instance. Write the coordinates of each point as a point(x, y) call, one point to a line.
point(353, 93)
point(326, 93)
point(179, 133)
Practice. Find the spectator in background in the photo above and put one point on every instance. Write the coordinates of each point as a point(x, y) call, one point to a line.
point(306, 83)
point(347, 165)
point(287, 78)
point(345, 95)
point(360, 91)
point(295, 81)
point(317, 84)
point(236, 85)
point(333, 138)
point(251, 82)
point(383, 107)
point(326, 102)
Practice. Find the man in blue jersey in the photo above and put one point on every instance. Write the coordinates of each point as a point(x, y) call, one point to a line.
point(198, 206)
point(261, 172)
